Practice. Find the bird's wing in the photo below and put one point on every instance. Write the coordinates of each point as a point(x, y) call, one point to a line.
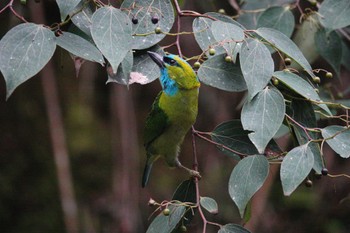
point(156, 123)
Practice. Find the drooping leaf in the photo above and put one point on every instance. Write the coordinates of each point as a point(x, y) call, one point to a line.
point(303, 113)
point(295, 167)
point(246, 178)
point(203, 33)
point(218, 73)
point(334, 14)
point(79, 47)
point(124, 70)
point(300, 86)
point(233, 228)
point(232, 135)
point(227, 35)
point(329, 46)
point(82, 19)
point(145, 70)
point(144, 11)
point(279, 18)
point(263, 115)
point(66, 7)
point(286, 45)
point(338, 139)
point(257, 66)
point(209, 204)
point(111, 31)
point(166, 224)
point(24, 51)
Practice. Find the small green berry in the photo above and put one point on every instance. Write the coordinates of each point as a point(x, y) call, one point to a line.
point(212, 52)
point(222, 11)
point(324, 171)
point(329, 75)
point(134, 20)
point(166, 212)
point(287, 61)
point(275, 81)
point(228, 58)
point(197, 64)
point(23, 2)
point(308, 183)
point(183, 228)
point(316, 90)
point(158, 30)
point(316, 79)
point(154, 19)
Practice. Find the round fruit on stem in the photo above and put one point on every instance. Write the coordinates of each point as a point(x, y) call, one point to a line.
point(158, 30)
point(212, 52)
point(154, 19)
point(197, 64)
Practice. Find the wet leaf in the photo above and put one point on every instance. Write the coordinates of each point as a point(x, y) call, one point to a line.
point(263, 115)
point(279, 18)
point(79, 47)
point(286, 45)
point(218, 73)
point(144, 11)
point(334, 14)
point(111, 31)
point(257, 66)
point(24, 51)
point(340, 141)
point(246, 178)
point(295, 167)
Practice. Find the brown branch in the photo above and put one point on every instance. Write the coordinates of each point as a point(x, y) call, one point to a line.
point(10, 6)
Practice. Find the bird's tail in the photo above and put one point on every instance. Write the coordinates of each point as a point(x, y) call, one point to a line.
point(146, 173)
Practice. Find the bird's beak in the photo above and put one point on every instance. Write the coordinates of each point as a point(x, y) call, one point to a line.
point(158, 59)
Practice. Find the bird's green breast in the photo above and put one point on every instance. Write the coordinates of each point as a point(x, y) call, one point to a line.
point(181, 110)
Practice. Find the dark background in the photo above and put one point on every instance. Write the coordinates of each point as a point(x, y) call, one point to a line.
point(102, 127)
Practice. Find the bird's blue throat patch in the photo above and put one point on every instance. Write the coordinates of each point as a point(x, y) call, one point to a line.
point(169, 86)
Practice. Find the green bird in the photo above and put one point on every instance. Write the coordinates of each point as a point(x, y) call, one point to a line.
point(173, 112)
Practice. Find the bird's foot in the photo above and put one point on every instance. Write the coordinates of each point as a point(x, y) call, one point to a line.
point(193, 173)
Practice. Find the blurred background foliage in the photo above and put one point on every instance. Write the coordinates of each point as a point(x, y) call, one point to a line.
point(106, 171)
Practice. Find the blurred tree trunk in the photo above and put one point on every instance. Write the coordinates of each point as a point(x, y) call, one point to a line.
point(125, 160)
point(60, 152)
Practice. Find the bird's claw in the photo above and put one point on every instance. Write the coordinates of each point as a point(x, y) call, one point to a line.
point(196, 174)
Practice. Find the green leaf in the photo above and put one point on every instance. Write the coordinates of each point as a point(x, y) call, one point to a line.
point(246, 178)
point(233, 228)
point(334, 14)
point(263, 115)
point(286, 45)
point(279, 18)
point(24, 51)
point(82, 19)
point(186, 192)
point(227, 34)
point(66, 7)
point(203, 33)
point(111, 31)
point(257, 66)
point(340, 139)
point(209, 204)
point(232, 135)
point(295, 167)
point(300, 86)
point(345, 55)
point(303, 112)
point(145, 70)
point(329, 46)
point(144, 11)
point(124, 70)
point(218, 73)
point(166, 224)
point(79, 47)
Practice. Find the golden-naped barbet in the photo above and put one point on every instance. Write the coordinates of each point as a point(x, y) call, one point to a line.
point(173, 112)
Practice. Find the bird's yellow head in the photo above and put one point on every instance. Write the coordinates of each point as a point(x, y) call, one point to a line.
point(175, 73)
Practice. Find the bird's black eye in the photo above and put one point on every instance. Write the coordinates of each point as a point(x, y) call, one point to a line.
point(170, 61)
